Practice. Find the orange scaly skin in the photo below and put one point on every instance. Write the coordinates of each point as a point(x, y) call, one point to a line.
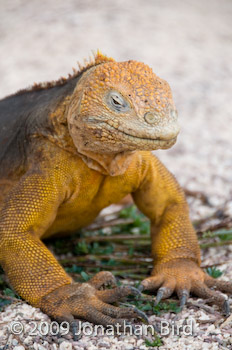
point(95, 151)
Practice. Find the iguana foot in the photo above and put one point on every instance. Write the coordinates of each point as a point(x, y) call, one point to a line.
point(86, 301)
point(184, 276)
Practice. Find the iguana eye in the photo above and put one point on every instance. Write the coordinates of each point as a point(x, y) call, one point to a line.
point(116, 102)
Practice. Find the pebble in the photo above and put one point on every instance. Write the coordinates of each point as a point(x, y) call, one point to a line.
point(41, 347)
point(104, 345)
point(92, 347)
point(38, 346)
point(82, 343)
point(2, 332)
point(226, 335)
point(211, 328)
point(14, 342)
point(130, 340)
point(65, 346)
point(19, 347)
point(140, 342)
point(28, 340)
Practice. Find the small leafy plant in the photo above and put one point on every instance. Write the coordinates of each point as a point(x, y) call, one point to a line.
point(155, 343)
point(139, 220)
point(214, 272)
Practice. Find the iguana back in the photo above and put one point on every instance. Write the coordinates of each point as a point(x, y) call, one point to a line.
point(23, 114)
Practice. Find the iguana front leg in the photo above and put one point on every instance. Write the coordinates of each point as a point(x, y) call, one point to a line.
point(34, 272)
point(175, 247)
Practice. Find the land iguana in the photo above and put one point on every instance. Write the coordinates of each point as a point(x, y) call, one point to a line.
point(70, 148)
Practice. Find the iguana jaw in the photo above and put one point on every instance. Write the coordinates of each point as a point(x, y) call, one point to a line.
point(102, 138)
point(131, 139)
point(108, 150)
point(141, 143)
point(105, 135)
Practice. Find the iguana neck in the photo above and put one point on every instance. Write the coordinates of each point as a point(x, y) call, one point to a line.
point(113, 165)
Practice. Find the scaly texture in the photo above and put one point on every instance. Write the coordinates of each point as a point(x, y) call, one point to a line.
point(68, 150)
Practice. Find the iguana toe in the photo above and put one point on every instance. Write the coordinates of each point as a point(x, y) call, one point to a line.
point(85, 301)
point(184, 276)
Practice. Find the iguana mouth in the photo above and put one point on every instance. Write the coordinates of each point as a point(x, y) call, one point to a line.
point(145, 139)
point(125, 135)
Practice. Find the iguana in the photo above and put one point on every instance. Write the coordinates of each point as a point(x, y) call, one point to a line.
point(73, 147)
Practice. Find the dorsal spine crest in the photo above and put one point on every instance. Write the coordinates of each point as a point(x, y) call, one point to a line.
point(95, 60)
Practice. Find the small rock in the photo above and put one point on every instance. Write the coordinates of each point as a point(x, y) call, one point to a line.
point(82, 343)
point(76, 347)
point(10, 338)
point(48, 339)
point(211, 328)
point(104, 345)
point(19, 347)
point(143, 347)
point(226, 335)
point(14, 342)
point(2, 332)
point(130, 340)
point(140, 342)
point(67, 336)
point(45, 343)
point(28, 340)
point(92, 347)
point(65, 346)
point(36, 339)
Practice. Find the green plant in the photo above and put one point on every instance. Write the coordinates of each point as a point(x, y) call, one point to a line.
point(96, 248)
point(155, 343)
point(85, 276)
point(165, 307)
point(7, 292)
point(139, 220)
point(214, 272)
point(74, 269)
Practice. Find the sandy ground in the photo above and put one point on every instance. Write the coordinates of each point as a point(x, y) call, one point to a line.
point(188, 43)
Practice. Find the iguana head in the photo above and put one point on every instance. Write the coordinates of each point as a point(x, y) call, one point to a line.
point(121, 107)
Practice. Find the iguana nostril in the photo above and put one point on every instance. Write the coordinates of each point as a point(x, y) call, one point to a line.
point(150, 118)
